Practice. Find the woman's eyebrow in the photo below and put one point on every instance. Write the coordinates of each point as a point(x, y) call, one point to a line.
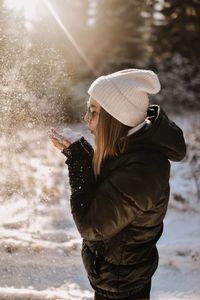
point(92, 105)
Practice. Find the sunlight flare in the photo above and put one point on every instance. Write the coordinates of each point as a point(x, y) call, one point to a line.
point(69, 36)
point(29, 7)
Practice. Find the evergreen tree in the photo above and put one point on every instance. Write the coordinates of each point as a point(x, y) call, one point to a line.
point(179, 30)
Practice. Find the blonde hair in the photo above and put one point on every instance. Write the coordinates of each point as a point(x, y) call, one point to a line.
point(107, 139)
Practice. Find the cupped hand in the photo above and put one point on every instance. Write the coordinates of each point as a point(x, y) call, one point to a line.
point(58, 143)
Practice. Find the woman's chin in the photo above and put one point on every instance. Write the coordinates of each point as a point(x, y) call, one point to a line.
point(92, 132)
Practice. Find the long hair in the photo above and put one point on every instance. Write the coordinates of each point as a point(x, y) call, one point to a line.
point(107, 139)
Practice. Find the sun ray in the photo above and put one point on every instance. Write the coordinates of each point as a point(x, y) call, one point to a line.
point(69, 36)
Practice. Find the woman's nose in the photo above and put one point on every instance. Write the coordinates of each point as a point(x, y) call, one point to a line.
point(85, 118)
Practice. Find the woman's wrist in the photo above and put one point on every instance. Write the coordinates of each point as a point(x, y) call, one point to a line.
point(62, 149)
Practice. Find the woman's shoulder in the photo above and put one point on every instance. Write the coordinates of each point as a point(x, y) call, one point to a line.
point(143, 167)
point(140, 158)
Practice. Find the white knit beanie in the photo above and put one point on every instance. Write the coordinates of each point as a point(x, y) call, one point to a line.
point(124, 94)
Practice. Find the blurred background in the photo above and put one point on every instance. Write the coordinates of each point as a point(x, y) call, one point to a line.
point(50, 52)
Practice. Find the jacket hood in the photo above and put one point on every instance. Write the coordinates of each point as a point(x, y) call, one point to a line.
point(160, 134)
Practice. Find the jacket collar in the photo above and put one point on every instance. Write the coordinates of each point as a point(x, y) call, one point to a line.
point(138, 127)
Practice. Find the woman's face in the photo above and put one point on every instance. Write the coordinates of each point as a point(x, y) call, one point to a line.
point(91, 117)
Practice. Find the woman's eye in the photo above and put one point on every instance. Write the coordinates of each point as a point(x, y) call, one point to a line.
point(91, 113)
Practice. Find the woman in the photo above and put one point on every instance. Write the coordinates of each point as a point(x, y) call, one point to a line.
point(120, 190)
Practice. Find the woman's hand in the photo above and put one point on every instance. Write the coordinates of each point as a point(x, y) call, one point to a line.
point(58, 140)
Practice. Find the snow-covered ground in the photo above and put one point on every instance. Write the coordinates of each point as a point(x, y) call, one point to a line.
point(39, 244)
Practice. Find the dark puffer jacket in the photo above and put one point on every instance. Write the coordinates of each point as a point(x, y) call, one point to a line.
point(120, 216)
